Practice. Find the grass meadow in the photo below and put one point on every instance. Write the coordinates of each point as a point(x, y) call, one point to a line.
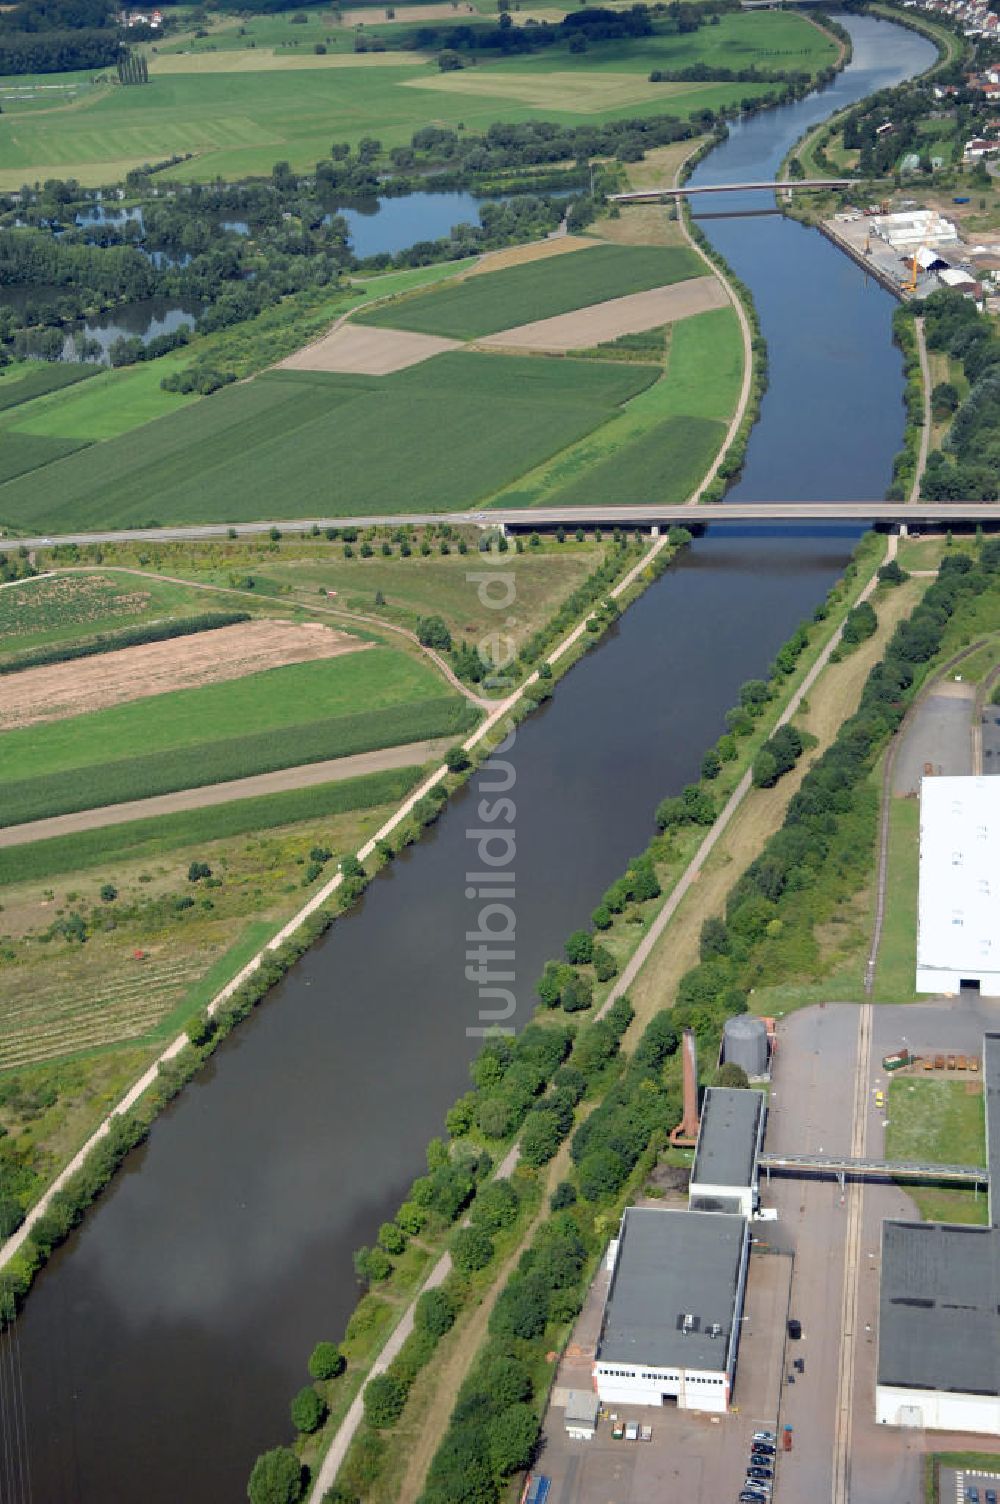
point(302, 713)
point(331, 444)
point(275, 106)
point(30, 379)
point(536, 290)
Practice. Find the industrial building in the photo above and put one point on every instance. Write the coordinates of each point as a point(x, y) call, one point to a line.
point(724, 1174)
point(918, 227)
point(671, 1323)
point(958, 932)
point(939, 1306)
point(745, 1043)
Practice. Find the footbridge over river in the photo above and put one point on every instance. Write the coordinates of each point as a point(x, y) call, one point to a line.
point(688, 190)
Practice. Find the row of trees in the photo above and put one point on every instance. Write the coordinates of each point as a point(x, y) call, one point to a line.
point(968, 464)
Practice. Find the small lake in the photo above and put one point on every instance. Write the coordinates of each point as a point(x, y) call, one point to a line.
point(143, 319)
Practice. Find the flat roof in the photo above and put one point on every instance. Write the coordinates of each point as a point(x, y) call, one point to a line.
point(672, 1264)
point(727, 1138)
point(939, 1308)
point(959, 908)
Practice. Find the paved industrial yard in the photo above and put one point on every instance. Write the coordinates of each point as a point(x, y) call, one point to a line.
point(939, 737)
point(700, 1459)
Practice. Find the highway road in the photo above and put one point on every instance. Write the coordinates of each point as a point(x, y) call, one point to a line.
point(946, 514)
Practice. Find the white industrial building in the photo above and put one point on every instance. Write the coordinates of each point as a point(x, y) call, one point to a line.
point(939, 1307)
point(730, 1135)
point(671, 1324)
point(917, 227)
point(958, 930)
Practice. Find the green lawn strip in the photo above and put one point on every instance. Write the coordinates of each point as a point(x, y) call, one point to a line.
point(538, 289)
point(253, 938)
point(23, 383)
point(663, 465)
point(388, 284)
point(332, 444)
point(895, 974)
point(702, 382)
point(135, 839)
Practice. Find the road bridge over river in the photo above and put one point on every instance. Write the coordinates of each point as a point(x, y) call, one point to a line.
point(611, 514)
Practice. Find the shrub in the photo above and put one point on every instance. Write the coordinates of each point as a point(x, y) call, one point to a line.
point(372, 1265)
point(711, 764)
point(605, 965)
point(730, 1074)
point(276, 1478)
point(435, 1312)
point(892, 574)
point(471, 1249)
point(384, 1398)
point(432, 632)
point(511, 1440)
point(564, 1195)
point(540, 1138)
point(197, 871)
point(860, 623)
point(326, 1361)
point(108, 893)
point(457, 759)
point(579, 947)
point(577, 994)
point(496, 1206)
point(601, 918)
point(308, 1410)
point(391, 1238)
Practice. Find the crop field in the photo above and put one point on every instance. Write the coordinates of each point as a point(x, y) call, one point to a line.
point(537, 290)
point(663, 465)
point(145, 840)
point(299, 714)
point(330, 444)
point(662, 443)
point(21, 453)
point(37, 613)
point(112, 402)
point(235, 124)
point(22, 384)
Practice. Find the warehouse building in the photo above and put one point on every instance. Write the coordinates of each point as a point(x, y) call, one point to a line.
point(671, 1323)
point(939, 1308)
point(958, 932)
point(724, 1174)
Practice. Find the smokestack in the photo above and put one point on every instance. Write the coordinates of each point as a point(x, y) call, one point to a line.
point(685, 1135)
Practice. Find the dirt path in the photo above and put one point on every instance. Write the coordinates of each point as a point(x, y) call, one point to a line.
point(307, 775)
point(342, 615)
point(925, 432)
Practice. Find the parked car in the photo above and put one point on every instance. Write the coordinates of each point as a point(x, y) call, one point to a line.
point(991, 1496)
point(765, 1448)
point(767, 1436)
point(972, 1494)
point(760, 1474)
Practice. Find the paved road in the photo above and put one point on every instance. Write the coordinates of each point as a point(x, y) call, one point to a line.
point(948, 513)
point(307, 775)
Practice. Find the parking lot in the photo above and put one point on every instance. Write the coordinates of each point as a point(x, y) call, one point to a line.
point(959, 1486)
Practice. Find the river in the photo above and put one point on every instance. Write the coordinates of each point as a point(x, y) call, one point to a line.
point(159, 1350)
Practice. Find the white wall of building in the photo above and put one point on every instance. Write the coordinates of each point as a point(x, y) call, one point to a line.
point(744, 1194)
point(935, 1410)
point(693, 1389)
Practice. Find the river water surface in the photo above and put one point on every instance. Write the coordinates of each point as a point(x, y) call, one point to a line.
point(161, 1347)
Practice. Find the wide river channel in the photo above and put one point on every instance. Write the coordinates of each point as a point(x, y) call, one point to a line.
point(160, 1348)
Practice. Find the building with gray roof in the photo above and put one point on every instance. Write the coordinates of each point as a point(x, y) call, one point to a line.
point(670, 1329)
point(730, 1135)
point(939, 1308)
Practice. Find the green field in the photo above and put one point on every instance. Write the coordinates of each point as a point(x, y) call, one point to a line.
point(20, 453)
point(895, 974)
point(25, 382)
point(658, 447)
point(74, 608)
point(537, 290)
point(302, 713)
point(331, 444)
point(239, 123)
point(136, 840)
